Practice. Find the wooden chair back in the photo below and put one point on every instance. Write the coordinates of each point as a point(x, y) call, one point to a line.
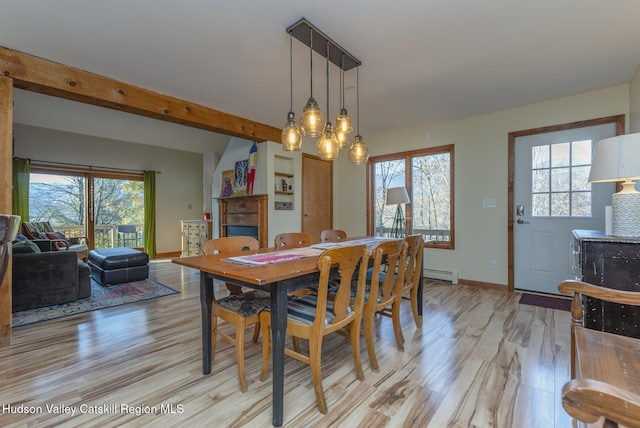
point(230, 244)
point(387, 286)
point(332, 235)
point(292, 240)
point(413, 274)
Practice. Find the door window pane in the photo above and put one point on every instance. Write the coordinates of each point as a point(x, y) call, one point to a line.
point(559, 179)
point(386, 174)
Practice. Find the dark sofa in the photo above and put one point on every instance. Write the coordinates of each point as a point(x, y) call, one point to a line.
point(47, 277)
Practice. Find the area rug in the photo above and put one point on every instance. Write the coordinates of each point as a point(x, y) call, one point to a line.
point(101, 298)
point(552, 302)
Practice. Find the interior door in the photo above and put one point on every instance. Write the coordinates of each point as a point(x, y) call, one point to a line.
point(317, 196)
point(552, 197)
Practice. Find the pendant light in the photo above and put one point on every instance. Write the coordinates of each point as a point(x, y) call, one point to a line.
point(343, 122)
point(327, 145)
point(358, 152)
point(312, 120)
point(291, 136)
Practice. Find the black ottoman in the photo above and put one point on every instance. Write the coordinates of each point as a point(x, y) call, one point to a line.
point(111, 266)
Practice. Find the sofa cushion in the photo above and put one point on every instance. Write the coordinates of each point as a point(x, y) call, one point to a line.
point(21, 247)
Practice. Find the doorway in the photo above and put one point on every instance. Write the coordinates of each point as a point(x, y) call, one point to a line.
point(317, 196)
point(549, 196)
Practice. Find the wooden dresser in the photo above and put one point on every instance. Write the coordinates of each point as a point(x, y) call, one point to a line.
point(244, 216)
point(194, 234)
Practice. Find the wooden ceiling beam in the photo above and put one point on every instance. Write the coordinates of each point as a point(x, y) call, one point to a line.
point(47, 77)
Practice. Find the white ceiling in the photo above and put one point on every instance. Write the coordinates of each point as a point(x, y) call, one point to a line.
point(423, 61)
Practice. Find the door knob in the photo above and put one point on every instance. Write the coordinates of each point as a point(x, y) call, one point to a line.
point(521, 221)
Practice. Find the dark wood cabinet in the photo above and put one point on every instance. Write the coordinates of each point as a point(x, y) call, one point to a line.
point(611, 262)
point(244, 216)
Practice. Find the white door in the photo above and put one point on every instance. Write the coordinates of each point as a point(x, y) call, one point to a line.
point(552, 197)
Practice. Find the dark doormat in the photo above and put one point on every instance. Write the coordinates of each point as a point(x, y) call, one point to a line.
point(552, 302)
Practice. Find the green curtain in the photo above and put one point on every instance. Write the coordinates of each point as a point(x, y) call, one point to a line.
point(21, 172)
point(150, 213)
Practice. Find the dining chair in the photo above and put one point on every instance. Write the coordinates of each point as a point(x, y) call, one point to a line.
point(412, 275)
point(314, 316)
point(384, 293)
point(292, 240)
point(332, 235)
point(240, 309)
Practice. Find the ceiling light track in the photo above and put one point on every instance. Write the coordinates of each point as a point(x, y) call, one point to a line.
point(301, 30)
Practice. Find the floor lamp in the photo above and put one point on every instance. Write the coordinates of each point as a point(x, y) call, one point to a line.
point(397, 196)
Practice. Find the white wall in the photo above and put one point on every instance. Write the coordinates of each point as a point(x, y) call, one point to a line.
point(178, 186)
point(238, 149)
point(480, 172)
point(634, 103)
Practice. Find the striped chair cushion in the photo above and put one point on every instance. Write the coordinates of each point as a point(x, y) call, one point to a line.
point(247, 304)
point(303, 310)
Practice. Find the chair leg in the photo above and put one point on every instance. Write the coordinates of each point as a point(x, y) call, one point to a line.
point(354, 332)
point(315, 351)
point(397, 328)
point(414, 307)
point(240, 326)
point(295, 343)
point(368, 335)
point(214, 336)
point(256, 333)
point(266, 344)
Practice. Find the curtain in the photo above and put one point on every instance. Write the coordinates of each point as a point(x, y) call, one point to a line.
point(150, 213)
point(21, 172)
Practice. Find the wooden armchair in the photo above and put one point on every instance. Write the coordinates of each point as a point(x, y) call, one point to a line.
point(605, 370)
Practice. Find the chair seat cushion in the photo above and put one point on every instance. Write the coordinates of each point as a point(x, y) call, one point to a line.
point(303, 310)
point(250, 303)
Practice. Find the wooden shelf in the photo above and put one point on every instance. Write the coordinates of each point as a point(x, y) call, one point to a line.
point(284, 192)
point(283, 174)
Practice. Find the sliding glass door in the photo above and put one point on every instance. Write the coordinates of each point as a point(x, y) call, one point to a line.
point(106, 207)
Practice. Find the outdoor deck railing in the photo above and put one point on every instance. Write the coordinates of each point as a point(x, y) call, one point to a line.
point(109, 235)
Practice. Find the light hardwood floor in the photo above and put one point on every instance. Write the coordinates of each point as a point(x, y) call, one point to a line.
point(480, 360)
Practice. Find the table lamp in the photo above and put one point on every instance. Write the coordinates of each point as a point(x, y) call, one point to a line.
point(398, 196)
point(618, 159)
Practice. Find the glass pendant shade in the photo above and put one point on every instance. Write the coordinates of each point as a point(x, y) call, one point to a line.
point(312, 119)
point(358, 152)
point(291, 136)
point(343, 139)
point(327, 145)
point(343, 122)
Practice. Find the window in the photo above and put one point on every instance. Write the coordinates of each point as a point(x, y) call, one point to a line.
point(106, 207)
point(427, 175)
point(559, 179)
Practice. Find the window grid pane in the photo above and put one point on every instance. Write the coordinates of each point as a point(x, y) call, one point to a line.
point(559, 179)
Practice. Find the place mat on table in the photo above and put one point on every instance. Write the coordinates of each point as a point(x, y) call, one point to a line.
point(280, 256)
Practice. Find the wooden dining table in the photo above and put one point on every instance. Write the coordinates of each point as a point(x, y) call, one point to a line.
point(278, 279)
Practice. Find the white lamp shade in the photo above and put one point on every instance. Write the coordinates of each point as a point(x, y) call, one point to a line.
point(616, 159)
point(397, 195)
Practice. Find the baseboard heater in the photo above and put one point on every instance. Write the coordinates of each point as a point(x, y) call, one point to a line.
point(442, 275)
